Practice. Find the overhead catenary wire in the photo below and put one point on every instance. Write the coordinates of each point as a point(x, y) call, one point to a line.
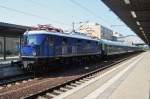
point(76, 3)
point(33, 15)
point(89, 11)
point(37, 3)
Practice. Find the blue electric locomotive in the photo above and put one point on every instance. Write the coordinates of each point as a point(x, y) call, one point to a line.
point(41, 47)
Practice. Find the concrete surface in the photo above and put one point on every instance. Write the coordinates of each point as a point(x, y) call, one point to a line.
point(137, 84)
point(128, 80)
point(7, 62)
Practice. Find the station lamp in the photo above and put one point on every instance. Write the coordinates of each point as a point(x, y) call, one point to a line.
point(137, 22)
point(142, 32)
point(127, 1)
point(133, 14)
point(141, 28)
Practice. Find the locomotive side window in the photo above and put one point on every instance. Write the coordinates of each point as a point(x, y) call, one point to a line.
point(51, 40)
point(88, 41)
point(64, 41)
point(88, 45)
point(64, 46)
point(79, 42)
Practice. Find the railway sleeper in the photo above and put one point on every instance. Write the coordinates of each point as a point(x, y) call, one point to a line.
point(51, 94)
point(63, 89)
point(30, 79)
point(24, 81)
point(68, 87)
point(78, 82)
point(8, 85)
point(90, 77)
point(55, 92)
point(1, 87)
point(81, 80)
point(86, 79)
point(17, 83)
point(73, 84)
point(41, 97)
point(58, 91)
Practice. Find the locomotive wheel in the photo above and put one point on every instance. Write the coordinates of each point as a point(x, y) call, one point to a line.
point(29, 67)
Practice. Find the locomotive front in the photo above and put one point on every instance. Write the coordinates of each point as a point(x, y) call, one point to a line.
point(32, 48)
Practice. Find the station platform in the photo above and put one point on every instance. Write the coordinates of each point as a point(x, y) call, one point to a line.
point(137, 84)
point(127, 80)
point(7, 62)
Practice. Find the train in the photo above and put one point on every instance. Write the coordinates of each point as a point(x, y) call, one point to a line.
point(42, 47)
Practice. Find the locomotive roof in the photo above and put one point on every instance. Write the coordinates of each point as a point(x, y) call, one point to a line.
point(71, 35)
point(115, 43)
point(74, 35)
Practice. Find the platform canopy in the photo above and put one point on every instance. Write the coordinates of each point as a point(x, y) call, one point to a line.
point(134, 13)
point(7, 29)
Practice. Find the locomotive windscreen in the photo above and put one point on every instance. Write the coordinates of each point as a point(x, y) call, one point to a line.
point(33, 39)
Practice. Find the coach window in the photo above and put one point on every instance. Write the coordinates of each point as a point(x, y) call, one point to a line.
point(106, 47)
point(51, 40)
point(64, 41)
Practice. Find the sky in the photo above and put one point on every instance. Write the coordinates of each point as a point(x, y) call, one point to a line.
point(60, 13)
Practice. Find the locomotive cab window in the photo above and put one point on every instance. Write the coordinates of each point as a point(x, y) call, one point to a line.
point(24, 40)
point(32, 39)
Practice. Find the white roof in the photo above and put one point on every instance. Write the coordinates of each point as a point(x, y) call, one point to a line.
point(72, 35)
point(115, 43)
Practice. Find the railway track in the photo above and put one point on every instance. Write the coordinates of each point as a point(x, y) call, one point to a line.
point(16, 80)
point(53, 85)
point(70, 84)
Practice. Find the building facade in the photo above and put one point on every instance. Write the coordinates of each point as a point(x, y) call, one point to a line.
point(116, 35)
point(97, 31)
point(106, 33)
point(12, 46)
point(130, 40)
